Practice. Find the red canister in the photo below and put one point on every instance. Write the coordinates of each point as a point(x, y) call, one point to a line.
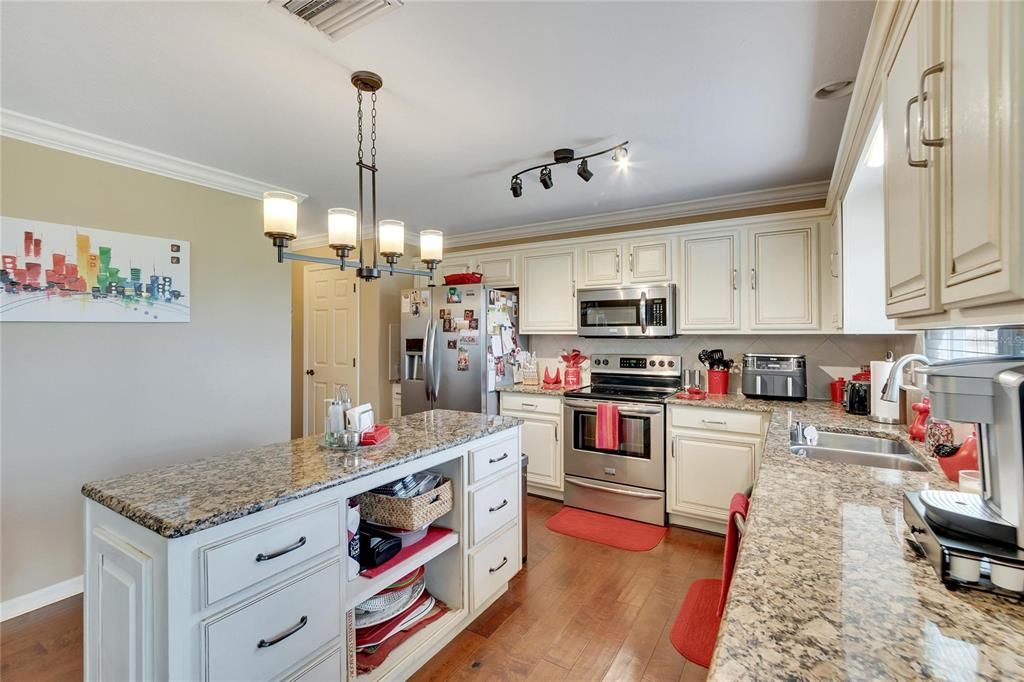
point(718, 381)
point(838, 390)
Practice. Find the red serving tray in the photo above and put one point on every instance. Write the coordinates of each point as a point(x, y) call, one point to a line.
point(464, 278)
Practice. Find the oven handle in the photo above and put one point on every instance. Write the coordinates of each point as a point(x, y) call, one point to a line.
point(623, 407)
point(627, 493)
point(643, 312)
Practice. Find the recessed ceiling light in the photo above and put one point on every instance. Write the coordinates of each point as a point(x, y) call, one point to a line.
point(834, 90)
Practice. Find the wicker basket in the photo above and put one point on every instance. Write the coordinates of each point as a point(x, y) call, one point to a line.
point(407, 513)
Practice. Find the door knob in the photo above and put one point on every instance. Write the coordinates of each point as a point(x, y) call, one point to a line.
point(310, 372)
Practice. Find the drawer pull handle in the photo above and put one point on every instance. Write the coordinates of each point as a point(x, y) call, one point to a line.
point(719, 422)
point(504, 503)
point(500, 566)
point(498, 459)
point(264, 643)
point(530, 405)
point(281, 552)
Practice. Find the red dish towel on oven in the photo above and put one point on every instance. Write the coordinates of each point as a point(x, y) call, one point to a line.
point(607, 426)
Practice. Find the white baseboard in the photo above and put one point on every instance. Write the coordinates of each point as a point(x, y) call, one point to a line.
point(40, 598)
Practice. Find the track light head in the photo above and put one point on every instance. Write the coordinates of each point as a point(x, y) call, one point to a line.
point(545, 178)
point(584, 172)
point(517, 186)
point(621, 158)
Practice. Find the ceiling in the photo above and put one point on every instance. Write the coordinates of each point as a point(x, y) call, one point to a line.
point(714, 97)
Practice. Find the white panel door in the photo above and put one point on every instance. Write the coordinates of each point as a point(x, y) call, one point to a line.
point(548, 292)
point(541, 443)
point(910, 215)
point(650, 260)
point(332, 333)
point(704, 473)
point(120, 610)
point(710, 297)
point(982, 238)
point(783, 278)
point(601, 264)
point(499, 270)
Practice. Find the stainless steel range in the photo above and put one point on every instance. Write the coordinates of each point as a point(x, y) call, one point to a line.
point(628, 481)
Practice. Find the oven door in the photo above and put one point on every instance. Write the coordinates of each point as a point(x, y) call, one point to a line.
point(627, 311)
point(640, 458)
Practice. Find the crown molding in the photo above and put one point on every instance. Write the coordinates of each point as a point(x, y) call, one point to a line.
point(682, 209)
point(310, 241)
point(27, 128)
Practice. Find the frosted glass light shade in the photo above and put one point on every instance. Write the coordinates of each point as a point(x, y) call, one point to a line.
point(342, 228)
point(431, 245)
point(391, 234)
point(280, 214)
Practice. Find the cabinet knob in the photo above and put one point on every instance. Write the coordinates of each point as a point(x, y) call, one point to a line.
point(310, 372)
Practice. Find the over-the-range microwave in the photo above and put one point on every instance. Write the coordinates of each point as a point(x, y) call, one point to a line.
point(637, 311)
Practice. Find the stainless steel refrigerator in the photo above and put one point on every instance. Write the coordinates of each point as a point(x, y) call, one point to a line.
point(456, 347)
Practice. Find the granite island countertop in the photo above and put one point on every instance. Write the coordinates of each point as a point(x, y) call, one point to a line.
point(192, 496)
point(536, 390)
point(826, 586)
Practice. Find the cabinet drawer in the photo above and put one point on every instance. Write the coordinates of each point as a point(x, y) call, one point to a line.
point(493, 505)
point(715, 419)
point(493, 565)
point(527, 402)
point(491, 459)
point(243, 560)
point(262, 638)
point(325, 669)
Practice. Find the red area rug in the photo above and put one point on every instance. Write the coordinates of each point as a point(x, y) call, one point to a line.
point(607, 530)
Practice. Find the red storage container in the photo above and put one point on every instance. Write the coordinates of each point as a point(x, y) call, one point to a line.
point(463, 278)
point(718, 381)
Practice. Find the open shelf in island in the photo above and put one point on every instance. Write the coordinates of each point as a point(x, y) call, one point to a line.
point(362, 587)
point(444, 628)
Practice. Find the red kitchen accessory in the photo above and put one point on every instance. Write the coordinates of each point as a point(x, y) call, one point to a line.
point(917, 429)
point(838, 390)
point(965, 458)
point(607, 430)
point(572, 377)
point(375, 436)
point(573, 361)
point(692, 393)
point(463, 278)
point(718, 381)
point(552, 382)
point(863, 375)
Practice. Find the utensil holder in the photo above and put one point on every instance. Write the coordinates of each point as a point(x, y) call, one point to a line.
point(718, 381)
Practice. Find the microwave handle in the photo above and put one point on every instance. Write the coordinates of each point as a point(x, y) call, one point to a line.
point(643, 312)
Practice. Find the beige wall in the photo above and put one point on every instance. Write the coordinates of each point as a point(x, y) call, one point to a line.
point(379, 303)
point(83, 401)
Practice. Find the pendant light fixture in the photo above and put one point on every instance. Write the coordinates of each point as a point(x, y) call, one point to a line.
point(345, 225)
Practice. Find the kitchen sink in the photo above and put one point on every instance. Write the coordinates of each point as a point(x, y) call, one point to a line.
point(862, 450)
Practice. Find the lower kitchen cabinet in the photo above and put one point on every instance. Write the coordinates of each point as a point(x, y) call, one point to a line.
point(704, 471)
point(541, 436)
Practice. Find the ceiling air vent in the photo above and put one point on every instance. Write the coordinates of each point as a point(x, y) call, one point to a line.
point(338, 17)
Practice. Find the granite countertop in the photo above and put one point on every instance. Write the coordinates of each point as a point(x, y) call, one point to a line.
point(192, 496)
point(539, 390)
point(826, 586)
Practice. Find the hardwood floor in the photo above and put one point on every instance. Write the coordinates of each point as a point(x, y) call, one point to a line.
point(583, 611)
point(578, 611)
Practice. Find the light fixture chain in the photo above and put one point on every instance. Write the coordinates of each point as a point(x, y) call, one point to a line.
point(373, 128)
point(359, 122)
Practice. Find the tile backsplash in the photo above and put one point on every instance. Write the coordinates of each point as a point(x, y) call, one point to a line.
point(828, 355)
point(948, 344)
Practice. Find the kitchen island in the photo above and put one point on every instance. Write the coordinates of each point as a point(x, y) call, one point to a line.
point(234, 567)
point(826, 586)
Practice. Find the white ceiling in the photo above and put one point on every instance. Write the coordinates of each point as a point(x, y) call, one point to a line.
point(715, 97)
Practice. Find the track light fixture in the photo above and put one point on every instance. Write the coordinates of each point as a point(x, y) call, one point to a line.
point(545, 178)
point(566, 155)
point(583, 171)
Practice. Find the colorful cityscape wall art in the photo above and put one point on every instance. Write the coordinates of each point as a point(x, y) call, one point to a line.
point(64, 273)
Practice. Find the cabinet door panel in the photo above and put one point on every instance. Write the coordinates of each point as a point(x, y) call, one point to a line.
point(541, 444)
point(454, 266)
point(548, 293)
point(499, 271)
point(710, 282)
point(704, 473)
point(602, 264)
point(784, 280)
point(650, 261)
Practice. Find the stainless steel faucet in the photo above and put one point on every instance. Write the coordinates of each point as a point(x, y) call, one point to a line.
point(891, 389)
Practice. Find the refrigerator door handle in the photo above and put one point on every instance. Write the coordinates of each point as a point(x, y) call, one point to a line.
point(428, 360)
point(435, 366)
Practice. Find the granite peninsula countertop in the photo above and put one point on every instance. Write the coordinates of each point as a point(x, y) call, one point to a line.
point(192, 496)
point(826, 587)
point(537, 390)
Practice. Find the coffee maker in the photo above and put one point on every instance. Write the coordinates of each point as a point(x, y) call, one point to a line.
point(973, 540)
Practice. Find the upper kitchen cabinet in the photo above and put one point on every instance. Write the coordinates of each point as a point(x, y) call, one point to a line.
point(910, 181)
point(708, 292)
point(978, 147)
point(636, 261)
point(454, 265)
point(548, 291)
point(499, 269)
point(783, 277)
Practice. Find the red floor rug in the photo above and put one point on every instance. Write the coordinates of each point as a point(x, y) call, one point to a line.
point(607, 530)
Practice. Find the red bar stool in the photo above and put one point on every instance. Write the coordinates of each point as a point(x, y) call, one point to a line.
point(696, 627)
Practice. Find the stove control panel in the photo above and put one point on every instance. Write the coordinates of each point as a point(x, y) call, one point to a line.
point(649, 365)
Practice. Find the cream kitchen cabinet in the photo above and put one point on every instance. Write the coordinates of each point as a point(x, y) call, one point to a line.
point(635, 261)
point(547, 291)
point(499, 269)
point(783, 277)
point(455, 265)
point(541, 437)
point(708, 291)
